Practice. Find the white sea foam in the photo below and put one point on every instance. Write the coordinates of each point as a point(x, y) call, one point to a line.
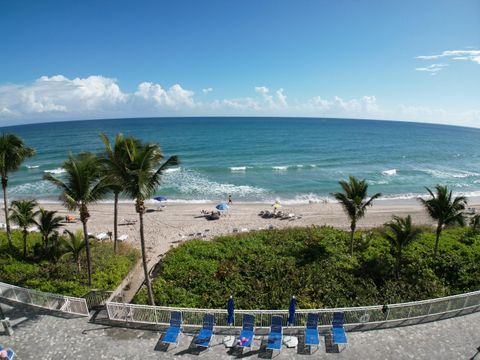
point(378, 182)
point(55, 171)
point(238, 168)
point(32, 166)
point(391, 172)
point(451, 173)
point(33, 189)
point(190, 183)
point(173, 169)
point(309, 198)
point(280, 168)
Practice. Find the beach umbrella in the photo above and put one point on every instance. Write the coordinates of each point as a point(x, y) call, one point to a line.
point(160, 198)
point(291, 310)
point(230, 309)
point(222, 207)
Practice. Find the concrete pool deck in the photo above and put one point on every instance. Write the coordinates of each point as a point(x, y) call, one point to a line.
point(43, 334)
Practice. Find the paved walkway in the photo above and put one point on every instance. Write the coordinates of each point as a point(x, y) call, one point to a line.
point(42, 334)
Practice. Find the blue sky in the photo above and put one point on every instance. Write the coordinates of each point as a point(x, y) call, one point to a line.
point(404, 60)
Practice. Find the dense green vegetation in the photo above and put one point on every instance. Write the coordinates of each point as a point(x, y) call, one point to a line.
point(265, 268)
point(45, 270)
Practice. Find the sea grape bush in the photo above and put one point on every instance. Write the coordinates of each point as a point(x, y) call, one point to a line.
point(263, 269)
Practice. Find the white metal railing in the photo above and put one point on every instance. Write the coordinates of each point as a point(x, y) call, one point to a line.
point(391, 315)
point(66, 304)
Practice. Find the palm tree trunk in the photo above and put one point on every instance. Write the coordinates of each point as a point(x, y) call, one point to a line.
point(5, 204)
point(397, 263)
point(144, 259)
point(437, 238)
point(87, 244)
point(79, 267)
point(115, 222)
point(352, 234)
point(25, 242)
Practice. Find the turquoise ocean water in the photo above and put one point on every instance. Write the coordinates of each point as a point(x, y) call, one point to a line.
point(263, 159)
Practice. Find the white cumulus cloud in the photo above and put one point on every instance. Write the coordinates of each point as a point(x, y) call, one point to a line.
point(472, 55)
point(432, 69)
point(448, 55)
point(261, 89)
point(174, 97)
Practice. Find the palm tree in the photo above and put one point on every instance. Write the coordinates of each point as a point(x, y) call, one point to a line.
point(83, 186)
point(12, 153)
point(22, 212)
point(47, 224)
point(354, 202)
point(402, 234)
point(141, 175)
point(114, 161)
point(475, 222)
point(444, 209)
point(73, 245)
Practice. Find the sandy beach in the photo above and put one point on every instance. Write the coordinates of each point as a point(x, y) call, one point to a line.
point(167, 226)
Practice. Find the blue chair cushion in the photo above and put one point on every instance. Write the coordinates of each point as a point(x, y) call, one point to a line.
point(247, 334)
point(274, 341)
point(311, 337)
point(203, 338)
point(339, 336)
point(171, 335)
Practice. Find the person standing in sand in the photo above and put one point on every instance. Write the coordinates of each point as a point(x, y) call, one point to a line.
point(230, 200)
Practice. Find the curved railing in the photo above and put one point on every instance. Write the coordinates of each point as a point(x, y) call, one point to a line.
point(65, 304)
point(355, 317)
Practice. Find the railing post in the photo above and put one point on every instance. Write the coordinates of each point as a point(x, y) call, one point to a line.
point(409, 312)
point(15, 293)
point(429, 308)
point(448, 305)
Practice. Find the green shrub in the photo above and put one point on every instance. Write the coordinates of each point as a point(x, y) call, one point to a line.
point(264, 269)
point(40, 272)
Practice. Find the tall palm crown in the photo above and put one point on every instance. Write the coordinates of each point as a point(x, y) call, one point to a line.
point(22, 212)
point(354, 202)
point(47, 223)
point(13, 152)
point(445, 209)
point(73, 245)
point(401, 234)
point(113, 161)
point(141, 175)
point(83, 185)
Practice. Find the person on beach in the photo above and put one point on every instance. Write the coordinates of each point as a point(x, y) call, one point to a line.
point(230, 200)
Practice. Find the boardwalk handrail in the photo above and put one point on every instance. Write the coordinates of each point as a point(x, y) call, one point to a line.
point(65, 304)
point(387, 315)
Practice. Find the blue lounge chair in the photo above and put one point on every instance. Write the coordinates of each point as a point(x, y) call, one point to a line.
point(338, 332)
point(311, 331)
point(206, 333)
point(10, 352)
point(175, 328)
point(275, 337)
point(248, 330)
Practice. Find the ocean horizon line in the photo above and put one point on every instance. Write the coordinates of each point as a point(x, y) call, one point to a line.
point(76, 120)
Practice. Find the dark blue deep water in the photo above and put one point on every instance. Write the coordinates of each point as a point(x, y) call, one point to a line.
point(261, 159)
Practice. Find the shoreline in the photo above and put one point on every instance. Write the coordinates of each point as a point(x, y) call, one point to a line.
point(169, 223)
point(472, 201)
